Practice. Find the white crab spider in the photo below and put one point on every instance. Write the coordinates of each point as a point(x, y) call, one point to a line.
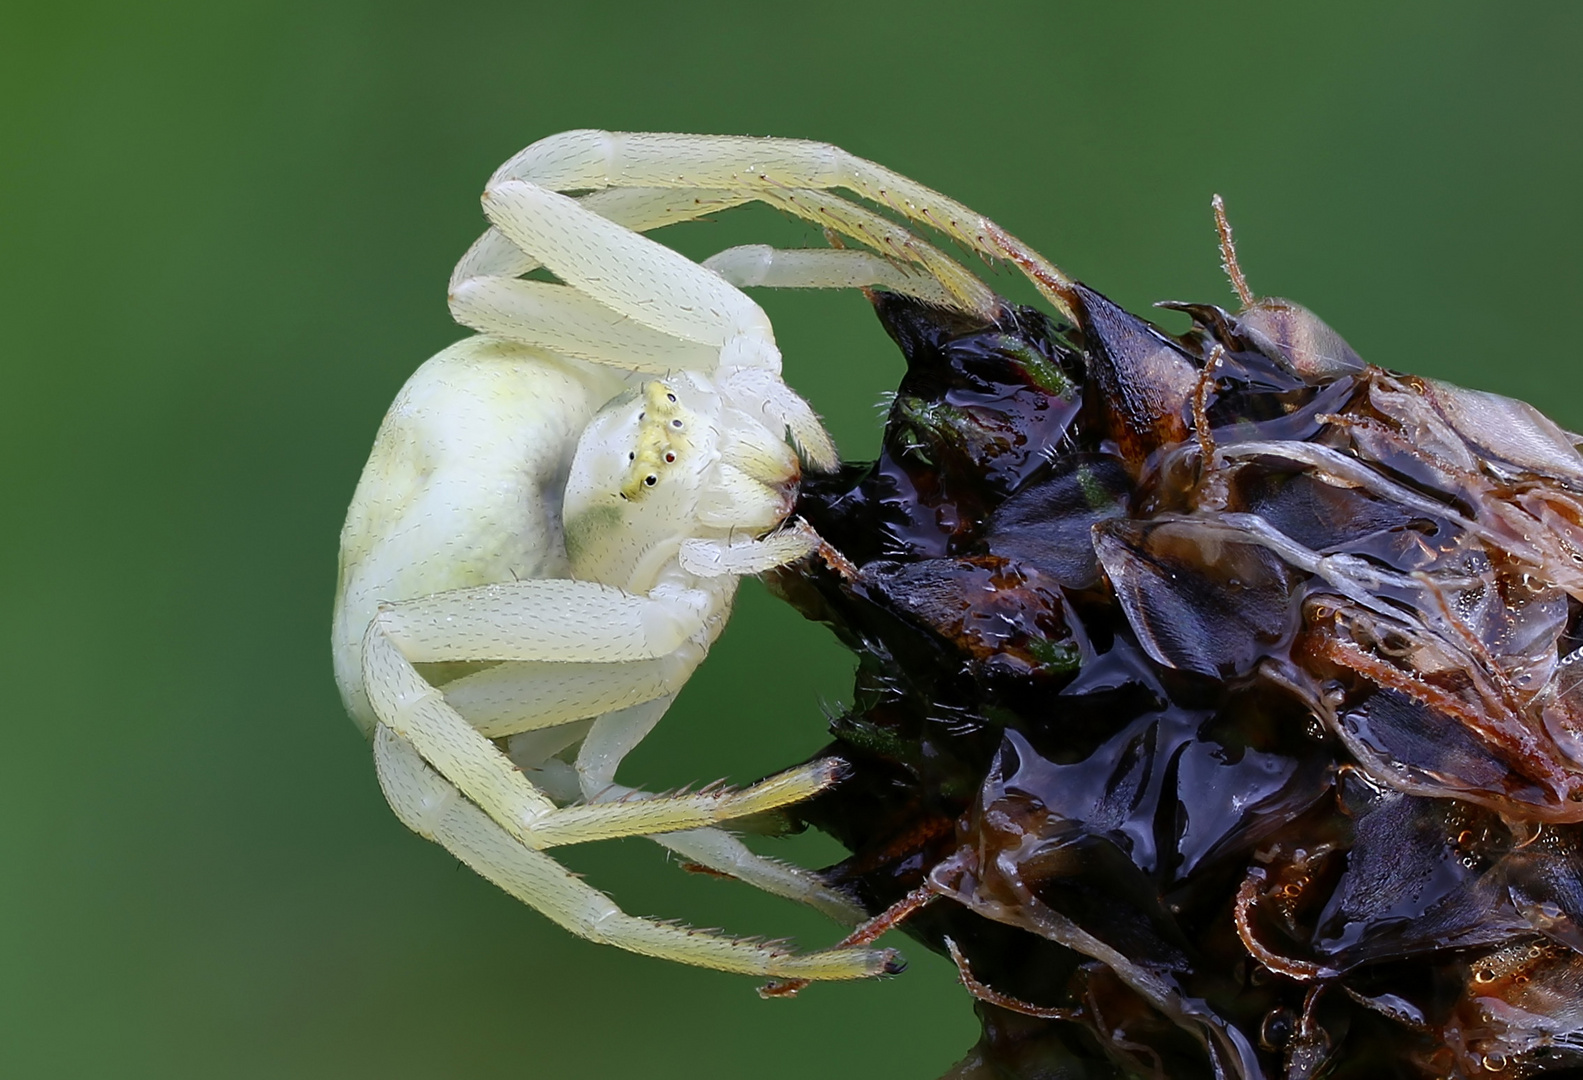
point(552, 523)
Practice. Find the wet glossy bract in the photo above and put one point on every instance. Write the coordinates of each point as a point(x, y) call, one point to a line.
point(1225, 687)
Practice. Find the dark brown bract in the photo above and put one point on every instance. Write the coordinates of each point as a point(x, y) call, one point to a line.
point(1224, 689)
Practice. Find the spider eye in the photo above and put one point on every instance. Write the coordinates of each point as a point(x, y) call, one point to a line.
point(670, 456)
point(676, 423)
point(651, 480)
point(632, 455)
point(672, 397)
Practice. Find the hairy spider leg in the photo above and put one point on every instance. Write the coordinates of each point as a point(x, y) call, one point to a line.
point(647, 283)
point(431, 806)
point(587, 160)
point(540, 619)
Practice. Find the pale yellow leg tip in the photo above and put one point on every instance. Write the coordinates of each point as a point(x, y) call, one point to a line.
point(867, 964)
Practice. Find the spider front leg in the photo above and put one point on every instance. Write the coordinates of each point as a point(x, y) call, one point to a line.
point(630, 303)
point(761, 266)
point(640, 209)
point(541, 620)
point(640, 278)
point(431, 806)
point(776, 171)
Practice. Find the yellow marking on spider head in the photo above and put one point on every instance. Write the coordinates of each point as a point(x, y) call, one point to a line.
point(664, 438)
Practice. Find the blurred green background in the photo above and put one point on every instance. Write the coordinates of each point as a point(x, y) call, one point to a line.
point(225, 231)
